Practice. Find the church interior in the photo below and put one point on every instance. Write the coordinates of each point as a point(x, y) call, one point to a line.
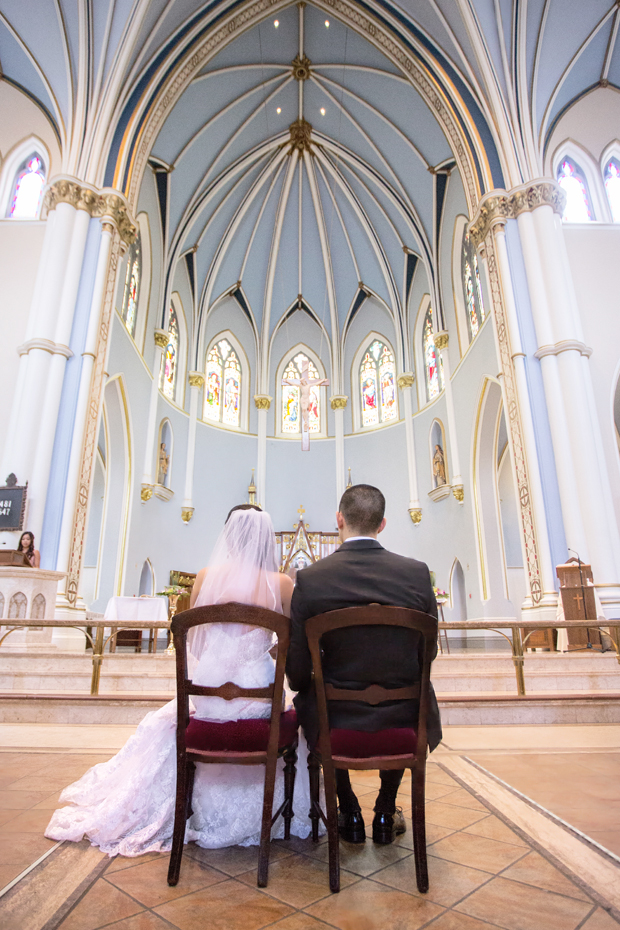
point(261, 251)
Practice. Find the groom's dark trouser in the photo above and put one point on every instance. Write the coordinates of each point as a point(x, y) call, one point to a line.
point(386, 799)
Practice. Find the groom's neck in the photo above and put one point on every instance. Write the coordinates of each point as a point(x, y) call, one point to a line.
point(348, 533)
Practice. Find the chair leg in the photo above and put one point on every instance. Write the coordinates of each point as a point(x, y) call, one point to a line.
point(290, 758)
point(331, 805)
point(185, 782)
point(314, 773)
point(265, 834)
point(418, 819)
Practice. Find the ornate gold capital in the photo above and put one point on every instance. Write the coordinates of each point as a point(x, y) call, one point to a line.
point(161, 338)
point(441, 339)
point(146, 493)
point(301, 68)
point(416, 515)
point(107, 204)
point(300, 131)
point(459, 493)
point(114, 206)
point(498, 206)
point(339, 401)
point(186, 514)
point(196, 379)
point(406, 380)
point(262, 401)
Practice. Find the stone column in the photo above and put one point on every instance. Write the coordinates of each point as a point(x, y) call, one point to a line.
point(196, 382)
point(441, 343)
point(161, 341)
point(405, 383)
point(263, 403)
point(339, 403)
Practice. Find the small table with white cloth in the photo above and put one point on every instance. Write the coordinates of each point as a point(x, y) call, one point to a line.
point(123, 611)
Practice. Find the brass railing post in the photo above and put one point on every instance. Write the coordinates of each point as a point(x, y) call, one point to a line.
point(97, 660)
point(517, 658)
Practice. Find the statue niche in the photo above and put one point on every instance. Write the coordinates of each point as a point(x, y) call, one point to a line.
point(439, 466)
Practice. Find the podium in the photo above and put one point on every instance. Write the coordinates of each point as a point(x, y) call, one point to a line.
point(14, 557)
point(578, 602)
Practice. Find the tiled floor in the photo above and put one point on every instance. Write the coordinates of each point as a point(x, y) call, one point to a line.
point(482, 874)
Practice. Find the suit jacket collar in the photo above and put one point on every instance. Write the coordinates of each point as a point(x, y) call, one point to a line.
point(359, 544)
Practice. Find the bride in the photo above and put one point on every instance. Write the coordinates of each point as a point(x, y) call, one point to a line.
point(126, 806)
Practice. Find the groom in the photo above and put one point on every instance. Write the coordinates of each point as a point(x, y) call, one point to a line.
point(362, 572)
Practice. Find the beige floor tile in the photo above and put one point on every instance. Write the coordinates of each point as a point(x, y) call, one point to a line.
point(448, 881)
point(26, 822)
point(102, 905)
point(434, 832)
point(610, 839)
point(452, 920)
point(143, 921)
point(535, 870)
point(462, 798)
point(368, 905)
point(438, 777)
point(434, 790)
point(117, 863)
point(22, 849)
point(447, 815)
point(519, 907)
point(477, 852)
point(5, 816)
point(234, 860)
point(370, 779)
point(148, 883)
point(51, 803)
point(21, 800)
point(600, 920)
point(47, 783)
point(298, 880)
point(299, 921)
point(495, 829)
point(363, 858)
point(230, 905)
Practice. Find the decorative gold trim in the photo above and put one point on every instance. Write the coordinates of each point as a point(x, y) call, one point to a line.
point(186, 514)
point(146, 493)
point(109, 204)
point(196, 379)
point(441, 339)
point(161, 338)
point(339, 401)
point(498, 206)
point(406, 380)
point(301, 68)
point(416, 515)
point(301, 131)
point(262, 401)
point(459, 493)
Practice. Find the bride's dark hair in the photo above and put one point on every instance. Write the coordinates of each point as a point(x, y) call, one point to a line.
point(242, 507)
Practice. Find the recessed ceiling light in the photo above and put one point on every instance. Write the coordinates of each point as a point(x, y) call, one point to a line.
point(322, 111)
point(279, 110)
point(276, 23)
point(327, 24)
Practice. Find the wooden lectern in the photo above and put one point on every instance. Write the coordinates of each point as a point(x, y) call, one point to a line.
point(14, 557)
point(579, 603)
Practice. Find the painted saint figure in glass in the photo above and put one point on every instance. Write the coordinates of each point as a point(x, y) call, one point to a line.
point(571, 180)
point(377, 375)
point(222, 402)
point(27, 189)
point(171, 354)
point(612, 186)
point(132, 286)
point(472, 289)
point(301, 398)
point(432, 365)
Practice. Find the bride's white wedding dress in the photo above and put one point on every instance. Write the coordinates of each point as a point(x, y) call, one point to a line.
point(126, 806)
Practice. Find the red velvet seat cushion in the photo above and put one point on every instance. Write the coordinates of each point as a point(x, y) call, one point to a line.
point(360, 744)
point(239, 735)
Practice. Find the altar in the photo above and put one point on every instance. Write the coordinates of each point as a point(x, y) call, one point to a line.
point(298, 548)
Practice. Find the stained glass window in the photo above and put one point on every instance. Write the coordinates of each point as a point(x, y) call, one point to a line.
point(171, 355)
point(132, 286)
point(223, 405)
point(472, 289)
point(378, 385)
point(291, 413)
point(433, 368)
point(27, 190)
point(571, 180)
point(612, 186)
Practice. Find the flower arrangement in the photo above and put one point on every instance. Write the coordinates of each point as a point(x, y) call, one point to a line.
point(439, 594)
point(171, 590)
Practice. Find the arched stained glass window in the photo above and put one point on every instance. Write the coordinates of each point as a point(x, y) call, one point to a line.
point(433, 368)
point(612, 186)
point(572, 182)
point(378, 384)
point(27, 189)
point(472, 289)
point(171, 356)
point(291, 413)
point(222, 402)
point(132, 286)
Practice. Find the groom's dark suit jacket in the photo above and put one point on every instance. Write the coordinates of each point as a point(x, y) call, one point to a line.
point(361, 572)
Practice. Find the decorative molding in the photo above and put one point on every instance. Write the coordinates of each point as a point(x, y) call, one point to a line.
point(459, 493)
point(301, 132)
point(54, 348)
point(416, 515)
point(262, 401)
point(162, 492)
point(565, 345)
point(339, 401)
point(498, 206)
point(301, 68)
point(107, 204)
point(406, 380)
point(186, 514)
point(441, 491)
point(146, 493)
point(196, 379)
point(441, 339)
point(161, 338)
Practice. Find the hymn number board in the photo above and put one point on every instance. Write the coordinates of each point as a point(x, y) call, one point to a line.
point(12, 504)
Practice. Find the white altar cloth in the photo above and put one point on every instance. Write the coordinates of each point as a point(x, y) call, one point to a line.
point(122, 611)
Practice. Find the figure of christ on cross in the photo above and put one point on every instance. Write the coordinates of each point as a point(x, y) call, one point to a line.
point(304, 384)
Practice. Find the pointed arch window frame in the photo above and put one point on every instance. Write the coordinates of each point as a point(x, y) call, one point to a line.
point(355, 384)
point(178, 396)
point(611, 153)
point(134, 258)
point(244, 394)
point(12, 165)
point(471, 265)
point(285, 360)
point(592, 174)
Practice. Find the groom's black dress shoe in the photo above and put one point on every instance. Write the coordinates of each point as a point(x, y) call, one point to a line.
point(351, 826)
point(386, 826)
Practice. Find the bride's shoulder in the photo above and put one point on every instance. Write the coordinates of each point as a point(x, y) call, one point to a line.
point(286, 583)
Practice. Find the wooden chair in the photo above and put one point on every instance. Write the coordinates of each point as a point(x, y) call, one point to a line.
point(355, 749)
point(259, 741)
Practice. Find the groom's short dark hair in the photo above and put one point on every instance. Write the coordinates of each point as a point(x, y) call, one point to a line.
point(363, 508)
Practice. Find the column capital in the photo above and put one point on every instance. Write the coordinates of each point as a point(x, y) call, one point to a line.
point(339, 401)
point(416, 515)
point(459, 493)
point(262, 401)
point(186, 514)
point(441, 339)
point(498, 206)
point(161, 338)
point(196, 379)
point(406, 380)
point(108, 204)
point(146, 493)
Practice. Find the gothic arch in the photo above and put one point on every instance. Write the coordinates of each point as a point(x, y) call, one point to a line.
point(12, 161)
point(316, 361)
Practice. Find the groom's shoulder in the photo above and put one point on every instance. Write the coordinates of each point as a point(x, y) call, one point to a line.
point(384, 556)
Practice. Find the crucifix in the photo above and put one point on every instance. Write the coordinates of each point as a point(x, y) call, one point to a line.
point(304, 383)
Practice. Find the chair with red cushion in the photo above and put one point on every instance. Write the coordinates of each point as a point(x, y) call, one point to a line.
point(259, 741)
point(397, 748)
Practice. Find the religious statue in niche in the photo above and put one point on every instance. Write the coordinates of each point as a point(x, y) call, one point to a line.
point(439, 466)
point(162, 464)
point(307, 399)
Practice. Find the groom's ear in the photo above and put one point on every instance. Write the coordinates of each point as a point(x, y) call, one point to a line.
point(382, 525)
point(339, 520)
